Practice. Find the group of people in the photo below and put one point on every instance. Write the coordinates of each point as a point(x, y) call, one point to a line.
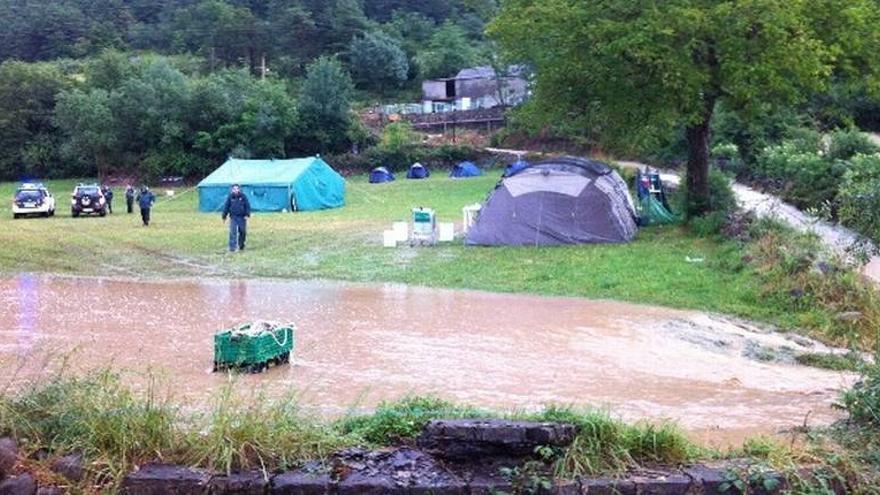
point(237, 208)
point(145, 199)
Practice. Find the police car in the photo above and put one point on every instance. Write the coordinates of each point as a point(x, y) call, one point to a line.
point(32, 199)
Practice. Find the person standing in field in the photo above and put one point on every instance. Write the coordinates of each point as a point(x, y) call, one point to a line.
point(238, 209)
point(145, 200)
point(129, 197)
point(108, 197)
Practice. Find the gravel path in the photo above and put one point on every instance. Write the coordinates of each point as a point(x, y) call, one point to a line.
point(839, 239)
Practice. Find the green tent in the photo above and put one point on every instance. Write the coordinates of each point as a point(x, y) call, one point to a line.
point(299, 184)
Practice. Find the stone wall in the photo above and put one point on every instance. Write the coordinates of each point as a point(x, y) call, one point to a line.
point(451, 457)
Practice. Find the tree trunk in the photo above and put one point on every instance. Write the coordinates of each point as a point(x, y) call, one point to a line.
point(698, 136)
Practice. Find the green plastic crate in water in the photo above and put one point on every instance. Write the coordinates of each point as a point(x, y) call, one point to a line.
point(234, 348)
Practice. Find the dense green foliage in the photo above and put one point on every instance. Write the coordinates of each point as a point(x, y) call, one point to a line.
point(835, 178)
point(144, 88)
point(863, 400)
point(632, 70)
point(377, 61)
point(859, 195)
point(225, 33)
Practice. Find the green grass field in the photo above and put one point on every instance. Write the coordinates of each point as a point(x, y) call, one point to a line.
point(346, 244)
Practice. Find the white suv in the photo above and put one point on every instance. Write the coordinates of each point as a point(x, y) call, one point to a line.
point(33, 199)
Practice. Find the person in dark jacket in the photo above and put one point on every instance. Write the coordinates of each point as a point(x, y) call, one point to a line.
point(238, 209)
point(129, 197)
point(145, 200)
point(108, 197)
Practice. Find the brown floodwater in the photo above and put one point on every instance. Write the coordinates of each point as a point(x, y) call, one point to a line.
point(358, 344)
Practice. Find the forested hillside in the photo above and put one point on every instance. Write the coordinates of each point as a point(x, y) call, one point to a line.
point(174, 86)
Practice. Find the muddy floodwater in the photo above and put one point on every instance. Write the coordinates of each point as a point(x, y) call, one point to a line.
point(359, 344)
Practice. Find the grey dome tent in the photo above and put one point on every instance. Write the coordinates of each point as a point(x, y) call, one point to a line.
point(559, 201)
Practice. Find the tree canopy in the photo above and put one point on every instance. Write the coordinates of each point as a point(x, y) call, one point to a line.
point(632, 69)
point(377, 61)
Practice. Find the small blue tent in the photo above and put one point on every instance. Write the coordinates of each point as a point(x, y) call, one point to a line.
point(299, 184)
point(515, 167)
point(380, 174)
point(465, 169)
point(417, 171)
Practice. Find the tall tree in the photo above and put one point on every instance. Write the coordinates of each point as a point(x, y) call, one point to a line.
point(325, 102)
point(634, 68)
point(377, 61)
point(87, 121)
point(27, 102)
point(449, 50)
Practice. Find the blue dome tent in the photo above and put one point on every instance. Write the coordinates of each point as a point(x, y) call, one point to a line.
point(298, 184)
point(515, 167)
point(417, 171)
point(380, 175)
point(465, 169)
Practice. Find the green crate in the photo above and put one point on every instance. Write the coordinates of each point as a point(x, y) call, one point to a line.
point(231, 350)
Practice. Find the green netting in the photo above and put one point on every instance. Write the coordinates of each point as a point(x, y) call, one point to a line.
point(232, 348)
point(652, 212)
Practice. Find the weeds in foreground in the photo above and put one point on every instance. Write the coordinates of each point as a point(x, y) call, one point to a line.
point(606, 445)
point(851, 361)
point(403, 420)
point(833, 300)
point(255, 432)
point(96, 416)
point(116, 429)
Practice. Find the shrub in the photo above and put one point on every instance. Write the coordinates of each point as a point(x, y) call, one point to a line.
point(804, 178)
point(804, 139)
point(862, 401)
point(350, 163)
point(450, 154)
point(799, 273)
point(722, 202)
point(847, 143)
point(726, 157)
point(860, 195)
point(710, 224)
point(722, 199)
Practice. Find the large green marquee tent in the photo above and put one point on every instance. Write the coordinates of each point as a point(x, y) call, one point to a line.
point(299, 184)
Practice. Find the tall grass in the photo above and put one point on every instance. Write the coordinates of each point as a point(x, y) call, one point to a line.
point(607, 445)
point(404, 419)
point(116, 429)
point(94, 415)
point(830, 299)
point(255, 432)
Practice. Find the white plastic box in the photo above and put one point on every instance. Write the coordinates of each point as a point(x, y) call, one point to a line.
point(401, 231)
point(389, 238)
point(447, 231)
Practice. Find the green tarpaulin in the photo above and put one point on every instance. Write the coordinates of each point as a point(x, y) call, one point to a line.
point(652, 212)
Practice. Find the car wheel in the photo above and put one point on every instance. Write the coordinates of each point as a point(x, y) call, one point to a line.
point(16, 216)
point(52, 212)
point(74, 213)
point(103, 213)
